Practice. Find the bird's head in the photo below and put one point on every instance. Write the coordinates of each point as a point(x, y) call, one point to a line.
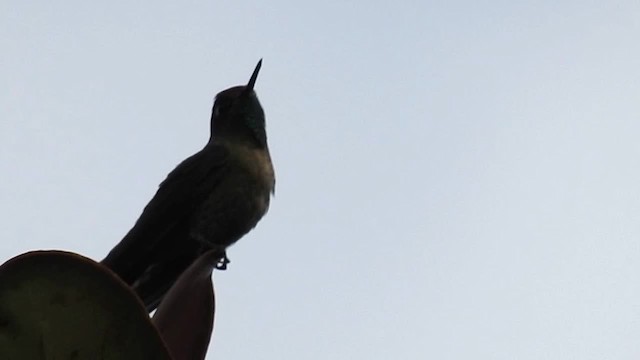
point(237, 114)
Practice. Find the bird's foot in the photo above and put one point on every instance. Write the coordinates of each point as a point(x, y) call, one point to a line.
point(222, 263)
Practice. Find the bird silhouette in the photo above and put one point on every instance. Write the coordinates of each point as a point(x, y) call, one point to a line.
point(209, 201)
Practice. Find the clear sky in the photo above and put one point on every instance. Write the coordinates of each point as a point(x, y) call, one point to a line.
point(455, 179)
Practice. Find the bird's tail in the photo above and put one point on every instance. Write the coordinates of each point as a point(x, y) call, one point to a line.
point(156, 281)
point(150, 275)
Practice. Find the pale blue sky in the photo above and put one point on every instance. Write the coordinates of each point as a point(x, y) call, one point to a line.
point(455, 179)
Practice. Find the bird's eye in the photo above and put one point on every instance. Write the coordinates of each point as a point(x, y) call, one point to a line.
point(221, 108)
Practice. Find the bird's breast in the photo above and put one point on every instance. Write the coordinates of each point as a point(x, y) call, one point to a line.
point(255, 164)
point(240, 200)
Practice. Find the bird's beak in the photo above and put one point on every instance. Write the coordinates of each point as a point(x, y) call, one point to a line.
point(254, 76)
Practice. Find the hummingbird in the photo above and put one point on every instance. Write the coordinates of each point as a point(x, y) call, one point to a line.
point(208, 202)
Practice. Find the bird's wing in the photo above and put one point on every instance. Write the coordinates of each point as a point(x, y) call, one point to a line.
point(163, 225)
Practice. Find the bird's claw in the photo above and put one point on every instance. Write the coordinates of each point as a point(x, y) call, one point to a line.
point(222, 263)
